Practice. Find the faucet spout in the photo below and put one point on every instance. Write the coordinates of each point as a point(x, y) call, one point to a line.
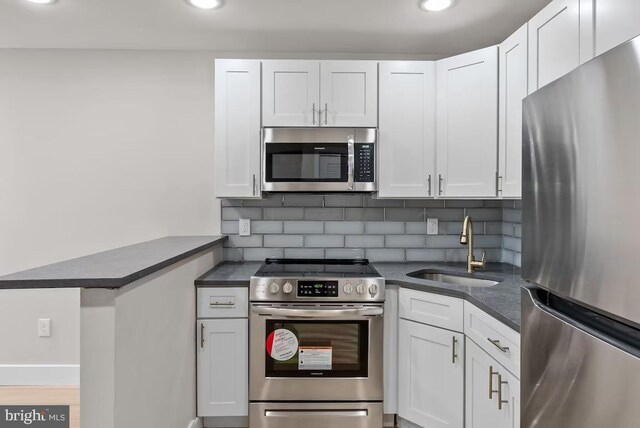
point(466, 238)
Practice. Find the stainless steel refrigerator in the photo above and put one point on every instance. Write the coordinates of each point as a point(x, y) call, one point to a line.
point(581, 247)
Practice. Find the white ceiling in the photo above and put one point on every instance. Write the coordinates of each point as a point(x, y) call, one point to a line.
point(294, 26)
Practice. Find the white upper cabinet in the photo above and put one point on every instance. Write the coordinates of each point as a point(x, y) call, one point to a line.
point(614, 22)
point(349, 93)
point(513, 89)
point(467, 124)
point(237, 128)
point(325, 93)
point(554, 42)
point(407, 129)
point(430, 376)
point(291, 93)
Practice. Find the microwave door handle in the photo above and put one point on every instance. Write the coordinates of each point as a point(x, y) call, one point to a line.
point(317, 313)
point(350, 161)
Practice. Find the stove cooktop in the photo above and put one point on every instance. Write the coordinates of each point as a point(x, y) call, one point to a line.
point(318, 268)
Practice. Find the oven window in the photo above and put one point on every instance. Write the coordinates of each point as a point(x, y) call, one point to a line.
point(324, 349)
point(297, 162)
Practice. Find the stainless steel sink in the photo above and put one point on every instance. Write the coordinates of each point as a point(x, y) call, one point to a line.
point(448, 278)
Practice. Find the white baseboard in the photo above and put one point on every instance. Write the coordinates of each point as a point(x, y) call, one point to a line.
point(40, 374)
point(196, 423)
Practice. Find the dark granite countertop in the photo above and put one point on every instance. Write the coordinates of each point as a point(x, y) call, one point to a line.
point(113, 268)
point(502, 301)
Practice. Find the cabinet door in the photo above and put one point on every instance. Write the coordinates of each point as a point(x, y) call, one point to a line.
point(513, 89)
point(223, 367)
point(349, 93)
point(237, 128)
point(554, 42)
point(615, 22)
point(486, 383)
point(290, 93)
point(467, 124)
point(407, 129)
point(431, 376)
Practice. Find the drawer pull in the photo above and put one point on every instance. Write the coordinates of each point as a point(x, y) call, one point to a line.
point(491, 390)
point(221, 305)
point(496, 343)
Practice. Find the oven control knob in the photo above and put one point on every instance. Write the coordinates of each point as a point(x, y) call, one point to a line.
point(274, 287)
point(287, 288)
point(360, 288)
point(348, 288)
point(373, 289)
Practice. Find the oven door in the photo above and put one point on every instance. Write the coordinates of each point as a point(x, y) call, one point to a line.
point(310, 352)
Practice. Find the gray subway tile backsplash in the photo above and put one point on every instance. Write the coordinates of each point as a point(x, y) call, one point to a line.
point(358, 226)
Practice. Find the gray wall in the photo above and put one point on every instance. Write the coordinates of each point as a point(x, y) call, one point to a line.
point(341, 226)
point(511, 231)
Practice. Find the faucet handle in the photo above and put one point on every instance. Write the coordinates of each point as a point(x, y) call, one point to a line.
point(484, 257)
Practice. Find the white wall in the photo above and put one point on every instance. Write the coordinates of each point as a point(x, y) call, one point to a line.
point(102, 149)
point(98, 149)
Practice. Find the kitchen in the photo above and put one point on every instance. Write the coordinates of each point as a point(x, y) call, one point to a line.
point(153, 241)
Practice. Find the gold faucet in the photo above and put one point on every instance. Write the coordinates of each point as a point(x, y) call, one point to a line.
point(466, 238)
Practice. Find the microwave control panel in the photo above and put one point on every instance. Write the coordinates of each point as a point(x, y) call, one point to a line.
point(364, 163)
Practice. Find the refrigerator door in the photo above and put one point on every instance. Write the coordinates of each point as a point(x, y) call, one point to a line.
point(572, 379)
point(581, 172)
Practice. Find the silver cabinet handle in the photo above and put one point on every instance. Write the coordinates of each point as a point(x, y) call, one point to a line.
point(491, 375)
point(498, 183)
point(500, 400)
point(201, 335)
point(326, 114)
point(254, 184)
point(453, 350)
point(313, 114)
point(319, 313)
point(429, 181)
point(496, 343)
point(440, 179)
point(351, 161)
point(222, 305)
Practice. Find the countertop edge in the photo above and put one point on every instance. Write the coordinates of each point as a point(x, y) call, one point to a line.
point(107, 282)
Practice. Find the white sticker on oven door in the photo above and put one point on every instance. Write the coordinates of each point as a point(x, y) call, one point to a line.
point(314, 358)
point(282, 344)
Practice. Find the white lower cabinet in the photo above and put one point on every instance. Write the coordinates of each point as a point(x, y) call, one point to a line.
point(492, 393)
point(430, 375)
point(223, 367)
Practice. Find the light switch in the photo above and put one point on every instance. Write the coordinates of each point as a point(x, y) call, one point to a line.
point(432, 226)
point(44, 327)
point(244, 226)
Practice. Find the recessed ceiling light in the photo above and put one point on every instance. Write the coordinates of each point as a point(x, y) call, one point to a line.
point(43, 1)
point(205, 4)
point(436, 5)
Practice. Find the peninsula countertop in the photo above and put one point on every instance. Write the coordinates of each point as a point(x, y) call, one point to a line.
point(502, 301)
point(113, 268)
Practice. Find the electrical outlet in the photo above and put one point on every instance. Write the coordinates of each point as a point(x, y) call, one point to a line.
point(244, 225)
point(44, 327)
point(432, 226)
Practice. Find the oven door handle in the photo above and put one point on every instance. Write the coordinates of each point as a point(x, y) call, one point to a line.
point(318, 313)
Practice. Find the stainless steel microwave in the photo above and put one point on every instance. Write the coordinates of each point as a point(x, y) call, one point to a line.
point(319, 160)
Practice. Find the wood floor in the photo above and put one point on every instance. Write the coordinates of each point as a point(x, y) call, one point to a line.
point(38, 395)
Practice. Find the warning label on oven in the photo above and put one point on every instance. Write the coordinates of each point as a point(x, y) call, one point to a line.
point(314, 358)
point(282, 344)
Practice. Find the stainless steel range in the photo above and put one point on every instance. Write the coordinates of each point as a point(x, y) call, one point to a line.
point(316, 343)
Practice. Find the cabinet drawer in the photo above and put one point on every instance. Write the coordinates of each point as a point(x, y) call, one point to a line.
point(223, 302)
point(498, 340)
point(433, 309)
